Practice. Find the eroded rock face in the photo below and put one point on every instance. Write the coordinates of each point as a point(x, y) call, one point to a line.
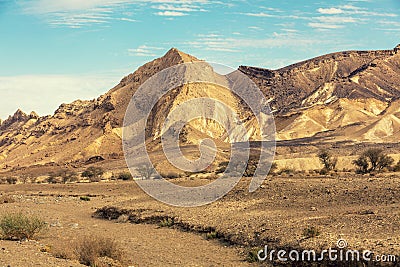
point(350, 74)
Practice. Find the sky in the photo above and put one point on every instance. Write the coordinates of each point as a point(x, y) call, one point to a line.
point(57, 51)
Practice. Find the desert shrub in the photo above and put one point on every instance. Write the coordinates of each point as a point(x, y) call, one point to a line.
point(328, 162)
point(62, 176)
point(274, 167)
point(324, 171)
point(361, 164)
point(11, 180)
point(310, 232)
point(167, 222)
point(252, 255)
point(24, 179)
point(91, 248)
point(125, 176)
point(84, 198)
point(62, 252)
point(20, 226)
point(171, 175)
point(249, 169)
point(6, 199)
point(287, 170)
point(212, 235)
point(222, 167)
point(68, 176)
point(93, 174)
point(53, 178)
point(396, 168)
point(146, 171)
point(373, 159)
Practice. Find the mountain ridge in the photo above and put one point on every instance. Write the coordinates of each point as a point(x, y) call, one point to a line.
point(351, 94)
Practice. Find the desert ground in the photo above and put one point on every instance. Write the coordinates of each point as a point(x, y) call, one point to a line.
point(361, 209)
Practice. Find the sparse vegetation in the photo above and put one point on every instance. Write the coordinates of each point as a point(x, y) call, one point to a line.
point(396, 167)
point(6, 199)
point(212, 235)
point(84, 198)
point(20, 226)
point(171, 175)
point(93, 174)
point(286, 171)
point(11, 180)
point(24, 179)
point(146, 171)
point(167, 222)
point(328, 162)
point(62, 176)
point(125, 176)
point(372, 160)
point(252, 255)
point(310, 232)
point(90, 248)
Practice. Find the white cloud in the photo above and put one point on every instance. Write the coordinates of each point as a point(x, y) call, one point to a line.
point(144, 51)
point(180, 8)
point(44, 93)
point(78, 13)
point(331, 10)
point(324, 25)
point(128, 19)
point(236, 44)
point(260, 14)
point(171, 14)
point(255, 28)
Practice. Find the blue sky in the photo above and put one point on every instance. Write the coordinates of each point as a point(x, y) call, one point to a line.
point(56, 51)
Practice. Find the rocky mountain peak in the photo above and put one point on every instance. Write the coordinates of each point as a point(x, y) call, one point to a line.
point(397, 48)
point(19, 116)
point(33, 115)
point(176, 56)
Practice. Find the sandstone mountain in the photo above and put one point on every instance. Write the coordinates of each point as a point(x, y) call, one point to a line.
point(350, 95)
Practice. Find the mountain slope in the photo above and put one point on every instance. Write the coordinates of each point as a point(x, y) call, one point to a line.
point(350, 95)
point(350, 74)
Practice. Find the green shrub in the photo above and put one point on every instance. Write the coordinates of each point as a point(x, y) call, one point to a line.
point(90, 248)
point(85, 198)
point(167, 222)
point(212, 235)
point(252, 255)
point(20, 226)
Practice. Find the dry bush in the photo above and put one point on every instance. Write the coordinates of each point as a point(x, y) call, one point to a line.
point(19, 226)
point(11, 180)
point(90, 249)
point(62, 252)
point(125, 176)
point(94, 174)
point(6, 199)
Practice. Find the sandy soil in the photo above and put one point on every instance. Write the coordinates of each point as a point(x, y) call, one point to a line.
point(363, 210)
point(70, 218)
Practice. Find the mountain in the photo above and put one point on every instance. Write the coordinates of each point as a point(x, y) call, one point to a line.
point(352, 95)
point(340, 96)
